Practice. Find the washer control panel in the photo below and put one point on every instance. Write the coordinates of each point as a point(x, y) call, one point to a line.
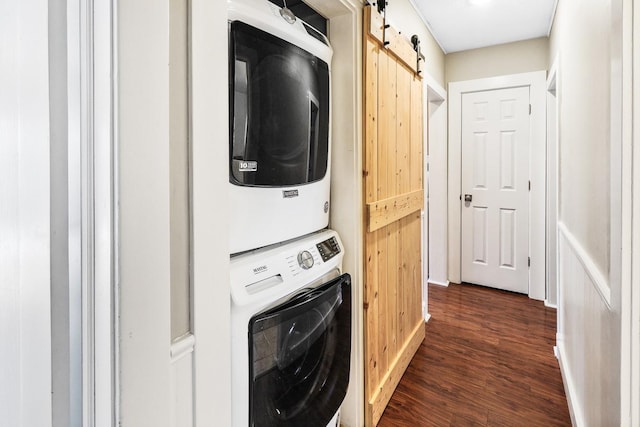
point(305, 260)
point(278, 270)
point(328, 248)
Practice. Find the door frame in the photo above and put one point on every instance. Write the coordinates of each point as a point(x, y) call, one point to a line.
point(552, 209)
point(436, 184)
point(536, 81)
point(630, 292)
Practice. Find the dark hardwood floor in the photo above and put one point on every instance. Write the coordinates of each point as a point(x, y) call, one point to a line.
point(487, 360)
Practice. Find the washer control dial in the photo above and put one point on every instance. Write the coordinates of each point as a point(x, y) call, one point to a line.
point(305, 260)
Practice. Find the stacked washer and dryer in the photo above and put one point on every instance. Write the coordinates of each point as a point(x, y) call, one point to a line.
point(290, 302)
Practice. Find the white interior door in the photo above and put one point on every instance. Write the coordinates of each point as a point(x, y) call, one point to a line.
point(495, 188)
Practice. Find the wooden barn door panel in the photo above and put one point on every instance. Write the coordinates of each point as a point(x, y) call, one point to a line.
point(393, 182)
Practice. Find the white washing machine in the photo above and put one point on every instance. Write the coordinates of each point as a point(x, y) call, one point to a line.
point(291, 333)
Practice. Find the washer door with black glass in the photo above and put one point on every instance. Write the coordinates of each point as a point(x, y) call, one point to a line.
point(299, 354)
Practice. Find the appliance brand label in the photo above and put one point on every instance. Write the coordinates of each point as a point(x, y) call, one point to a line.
point(247, 165)
point(288, 194)
point(260, 269)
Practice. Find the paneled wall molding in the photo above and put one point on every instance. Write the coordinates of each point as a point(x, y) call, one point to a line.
point(182, 347)
point(436, 282)
point(598, 279)
point(595, 102)
point(181, 378)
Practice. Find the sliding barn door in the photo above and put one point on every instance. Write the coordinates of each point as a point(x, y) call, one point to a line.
point(394, 324)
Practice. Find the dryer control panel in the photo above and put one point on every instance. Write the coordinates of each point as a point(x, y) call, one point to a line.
point(328, 248)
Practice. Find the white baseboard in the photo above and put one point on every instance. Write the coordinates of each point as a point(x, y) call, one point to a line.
point(436, 282)
point(548, 304)
point(427, 317)
point(570, 391)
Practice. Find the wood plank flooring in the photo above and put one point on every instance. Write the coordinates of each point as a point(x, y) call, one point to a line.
point(487, 360)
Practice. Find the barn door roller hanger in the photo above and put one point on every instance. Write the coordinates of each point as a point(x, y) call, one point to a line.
point(390, 39)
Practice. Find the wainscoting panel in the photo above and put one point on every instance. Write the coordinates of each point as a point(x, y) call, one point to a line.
point(588, 347)
point(181, 381)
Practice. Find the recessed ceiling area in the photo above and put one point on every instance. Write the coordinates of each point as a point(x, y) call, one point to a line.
point(469, 24)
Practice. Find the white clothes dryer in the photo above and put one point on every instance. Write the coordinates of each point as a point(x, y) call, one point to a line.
point(279, 126)
point(291, 333)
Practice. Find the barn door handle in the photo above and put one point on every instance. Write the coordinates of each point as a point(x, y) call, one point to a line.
point(468, 197)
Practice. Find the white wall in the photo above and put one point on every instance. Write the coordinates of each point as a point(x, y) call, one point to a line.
point(142, 140)
point(25, 316)
point(582, 37)
point(163, 384)
point(509, 58)
point(586, 40)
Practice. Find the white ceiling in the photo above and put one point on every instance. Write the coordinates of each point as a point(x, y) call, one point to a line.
point(460, 25)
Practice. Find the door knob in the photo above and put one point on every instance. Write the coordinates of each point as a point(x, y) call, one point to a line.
point(468, 197)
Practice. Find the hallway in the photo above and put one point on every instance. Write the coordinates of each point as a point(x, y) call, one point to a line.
point(487, 360)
